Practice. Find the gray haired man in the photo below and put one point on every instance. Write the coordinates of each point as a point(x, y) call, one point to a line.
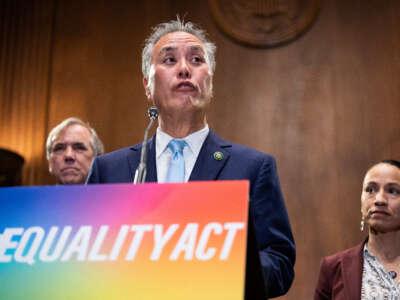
point(178, 63)
point(70, 148)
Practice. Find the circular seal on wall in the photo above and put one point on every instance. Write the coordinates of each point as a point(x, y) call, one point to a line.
point(264, 23)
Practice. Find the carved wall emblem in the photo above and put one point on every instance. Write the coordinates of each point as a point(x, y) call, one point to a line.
point(264, 23)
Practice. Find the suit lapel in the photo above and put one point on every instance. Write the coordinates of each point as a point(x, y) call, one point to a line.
point(134, 160)
point(207, 167)
point(352, 265)
point(151, 161)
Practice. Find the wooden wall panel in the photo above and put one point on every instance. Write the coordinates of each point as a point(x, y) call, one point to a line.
point(25, 56)
point(326, 105)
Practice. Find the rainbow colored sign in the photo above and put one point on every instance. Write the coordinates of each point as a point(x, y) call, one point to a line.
point(124, 241)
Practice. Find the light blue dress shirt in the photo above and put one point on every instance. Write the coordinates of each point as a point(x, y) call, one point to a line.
point(190, 153)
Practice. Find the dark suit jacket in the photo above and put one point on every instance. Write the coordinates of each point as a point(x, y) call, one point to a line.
point(340, 275)
point(269, 228)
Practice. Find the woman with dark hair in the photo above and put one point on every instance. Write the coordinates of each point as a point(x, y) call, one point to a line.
point(370, 270)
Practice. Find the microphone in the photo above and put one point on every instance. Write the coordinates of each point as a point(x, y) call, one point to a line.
point(140, 174)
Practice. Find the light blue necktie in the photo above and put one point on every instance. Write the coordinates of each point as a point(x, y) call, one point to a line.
point(176, 170)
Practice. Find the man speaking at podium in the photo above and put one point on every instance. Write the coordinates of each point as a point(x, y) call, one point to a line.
point(178, 62)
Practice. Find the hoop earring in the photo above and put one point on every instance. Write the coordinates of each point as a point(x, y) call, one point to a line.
point(362, 224)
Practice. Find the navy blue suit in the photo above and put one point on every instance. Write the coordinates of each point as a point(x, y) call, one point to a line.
point(269, 228)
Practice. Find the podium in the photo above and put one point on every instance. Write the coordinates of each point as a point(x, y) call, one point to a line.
point(124, 241)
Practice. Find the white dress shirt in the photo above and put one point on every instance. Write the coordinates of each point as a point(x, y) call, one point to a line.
point(190, 153)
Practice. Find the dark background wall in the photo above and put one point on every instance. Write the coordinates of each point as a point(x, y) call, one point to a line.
point(325, 105)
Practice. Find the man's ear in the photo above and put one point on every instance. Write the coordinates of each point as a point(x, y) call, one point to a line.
point(146, 88)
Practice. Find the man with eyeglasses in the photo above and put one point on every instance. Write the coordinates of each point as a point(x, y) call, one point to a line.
point(70, 148)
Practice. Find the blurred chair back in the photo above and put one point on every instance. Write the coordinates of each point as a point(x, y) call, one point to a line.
point(10, 168)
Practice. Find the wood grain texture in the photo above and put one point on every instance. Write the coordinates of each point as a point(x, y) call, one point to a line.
point(25, 58)
point(326, 105)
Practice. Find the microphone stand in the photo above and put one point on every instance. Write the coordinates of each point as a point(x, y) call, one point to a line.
point(141, 171)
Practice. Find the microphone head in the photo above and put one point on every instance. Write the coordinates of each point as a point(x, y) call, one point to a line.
point(153, 113)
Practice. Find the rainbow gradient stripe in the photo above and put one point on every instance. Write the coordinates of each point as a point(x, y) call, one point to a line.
point(117, 205)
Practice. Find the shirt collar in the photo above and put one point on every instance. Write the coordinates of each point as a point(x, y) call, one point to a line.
point(194, 140)
point(367, 254)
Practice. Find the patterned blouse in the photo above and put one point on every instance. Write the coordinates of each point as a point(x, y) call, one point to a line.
point(377, 284)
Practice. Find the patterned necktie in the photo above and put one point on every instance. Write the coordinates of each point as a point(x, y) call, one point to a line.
point(176, 169)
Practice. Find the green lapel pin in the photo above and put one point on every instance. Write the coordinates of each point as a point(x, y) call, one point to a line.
point(218, 155)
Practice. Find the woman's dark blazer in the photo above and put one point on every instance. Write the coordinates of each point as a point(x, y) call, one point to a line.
point(340, 275)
